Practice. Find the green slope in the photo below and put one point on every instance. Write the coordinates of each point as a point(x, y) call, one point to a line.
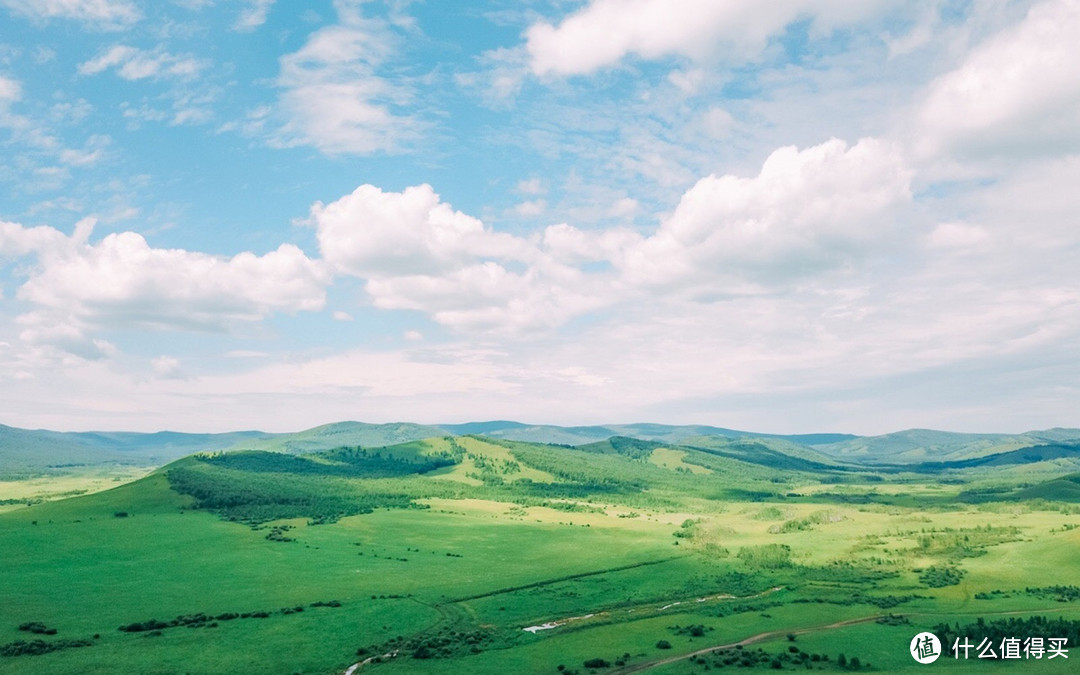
point(1064, 489)
point(444, 550)
point(581, 435)
point(925, 445)
point(341, 434)
point(26, 452)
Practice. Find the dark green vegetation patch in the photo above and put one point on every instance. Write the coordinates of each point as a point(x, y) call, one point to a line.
point(1013, 628)
point(38, 647)
point(261, 495)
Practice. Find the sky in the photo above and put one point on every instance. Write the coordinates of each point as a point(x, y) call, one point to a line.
point(796, 216)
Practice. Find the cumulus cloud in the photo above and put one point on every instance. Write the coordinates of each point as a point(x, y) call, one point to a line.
point(417, 252)
point(132, 63)
point(76, 287)
point(1016, 94)
point(819, 209)
point(488, 297)
point(605, 31)
point(568, 243)
point(334, 98)
point(806, 211)
point(106, 14)
point(374, 233)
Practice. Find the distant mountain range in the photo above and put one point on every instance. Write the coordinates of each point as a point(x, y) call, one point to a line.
point(29, 451)
point(24, 451)
point(545, 433)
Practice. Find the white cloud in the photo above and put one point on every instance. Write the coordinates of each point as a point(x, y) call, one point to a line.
point(24, 129)
point(132, 63)
point(107, 14)
point(167, 366)
point(824, 208)
point(531, 208)
point(245, 354)
point(489, 297)
point(807, 211)
point(253, 15)
point(605, 31)
point(958, 235)
point(333, 97)
point(342, 316)
point(417, 253)
point(372, 233)
point(76, 287)
point(626, 207)
point(717, 122)
point(500, 79)
point(1016, 94)
point(531, 186)
point(17, 241)
point(10, 90)
point(90, 154)
point(687, 81)
point(572, 245)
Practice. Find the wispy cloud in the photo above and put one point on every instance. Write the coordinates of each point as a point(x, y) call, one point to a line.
point(132, 63)
point(334, 97)
point(254, 14)
point(104, 14)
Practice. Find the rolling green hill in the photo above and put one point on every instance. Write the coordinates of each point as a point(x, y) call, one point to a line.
point(473, 554)
point(924, 445)
point(340, 434)
point(581, 435)
point(26, 452)
point(1065, 489)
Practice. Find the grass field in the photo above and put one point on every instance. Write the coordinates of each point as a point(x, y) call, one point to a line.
point(435, 557)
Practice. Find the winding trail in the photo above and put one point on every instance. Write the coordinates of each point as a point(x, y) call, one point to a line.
point(645, 608)
point(760, 637)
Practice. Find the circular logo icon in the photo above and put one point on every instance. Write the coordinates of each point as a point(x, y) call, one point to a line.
point(925, 648)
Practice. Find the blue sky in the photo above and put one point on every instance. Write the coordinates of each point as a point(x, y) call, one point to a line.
point(848, 215)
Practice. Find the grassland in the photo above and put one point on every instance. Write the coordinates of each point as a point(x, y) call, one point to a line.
point(435, 556)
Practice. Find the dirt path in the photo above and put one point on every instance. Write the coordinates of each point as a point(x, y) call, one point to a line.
point(760, 637)
point(646, 608)
point(382, 657)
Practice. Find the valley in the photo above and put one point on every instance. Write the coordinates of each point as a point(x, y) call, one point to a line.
point(483, 554)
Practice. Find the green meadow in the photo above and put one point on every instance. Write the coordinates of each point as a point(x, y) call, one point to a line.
point(618, 556)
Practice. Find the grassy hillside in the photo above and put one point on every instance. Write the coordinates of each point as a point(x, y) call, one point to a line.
point(924, 445)
point(581, 435)
point(481, 555)
point(340, 434)
point(25, 452)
